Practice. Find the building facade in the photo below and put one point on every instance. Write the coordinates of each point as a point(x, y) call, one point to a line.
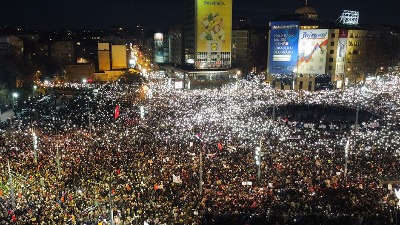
point(63, 52)
point(112, 57)
point(207, 34)
point(307, 51)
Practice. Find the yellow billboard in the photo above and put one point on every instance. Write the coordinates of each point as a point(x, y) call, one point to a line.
point(119, 57)
point(214, 25)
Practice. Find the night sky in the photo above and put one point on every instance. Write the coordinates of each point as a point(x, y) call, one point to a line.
point(160, 14)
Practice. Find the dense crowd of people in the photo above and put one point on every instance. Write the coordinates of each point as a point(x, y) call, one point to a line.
point(187, 157)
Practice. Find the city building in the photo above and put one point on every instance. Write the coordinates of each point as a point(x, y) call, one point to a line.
point(11, 44)
point(112, 57)
point(62, 52)
point(176, 47)
point(308, 54)
point(113, 61)
point(78, 72)
point(241, 50)
point(208, 32)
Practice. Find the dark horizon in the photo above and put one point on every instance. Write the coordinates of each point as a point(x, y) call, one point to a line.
point(159, 15)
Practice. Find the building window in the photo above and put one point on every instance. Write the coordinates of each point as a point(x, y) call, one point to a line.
point(332, 43)
point(330, 59)
point(330, 68)
point(333, 35)
point(331, 51)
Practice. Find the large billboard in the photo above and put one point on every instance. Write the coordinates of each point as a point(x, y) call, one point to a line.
point(104, 56)
point(283, 42)
point(119, 57)
point(312, 51)
point(341, 51)
point(158, 48)
point(213, 33)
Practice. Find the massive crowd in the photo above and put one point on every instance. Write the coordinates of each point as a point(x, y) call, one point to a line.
point(153, 157)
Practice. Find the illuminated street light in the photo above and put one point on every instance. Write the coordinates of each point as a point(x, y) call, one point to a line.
point(258, 160)
point(238, 73)
point(35, 145)
point(14, 98)
point(34, 89)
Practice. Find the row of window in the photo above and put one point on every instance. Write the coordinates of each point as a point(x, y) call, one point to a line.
point(352, 35)
point(213, 56)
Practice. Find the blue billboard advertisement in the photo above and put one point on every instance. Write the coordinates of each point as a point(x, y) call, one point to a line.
point(283, 47)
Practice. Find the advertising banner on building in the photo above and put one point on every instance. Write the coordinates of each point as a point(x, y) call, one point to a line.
point(158, 48)
point(283, 42)
point(312, 51)
point(213, 31)
point(341, 52)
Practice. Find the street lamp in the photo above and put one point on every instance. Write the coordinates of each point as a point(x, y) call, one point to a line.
point(258, 162)
point(346, 156)
point(14, 97)
point(238, 73)
point(293, 77)
point(34, 90)
point(258, 155)
point(35, 145)
point(84, 81)
point(346, 77)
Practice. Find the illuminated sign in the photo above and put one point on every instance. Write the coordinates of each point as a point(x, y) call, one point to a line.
point(283, 41)
point(349, 17)
point(213, 33)
point(158, 48)
point(312, 51)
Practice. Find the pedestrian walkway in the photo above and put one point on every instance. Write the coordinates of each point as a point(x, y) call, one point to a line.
point(4, 116)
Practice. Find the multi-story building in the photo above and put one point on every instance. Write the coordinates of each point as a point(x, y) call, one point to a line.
point(62, 52)
point(113, 61)
point(112, 57)
point(11, 44)
point(176, 50)
point(241, 51)
point(306, 51)
point(208, 32)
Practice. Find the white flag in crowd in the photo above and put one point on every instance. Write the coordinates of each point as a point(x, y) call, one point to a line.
point(176, 179)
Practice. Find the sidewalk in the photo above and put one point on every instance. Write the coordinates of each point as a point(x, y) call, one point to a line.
point(6, 115)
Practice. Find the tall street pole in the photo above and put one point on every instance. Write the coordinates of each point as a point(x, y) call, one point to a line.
point(346, 157)
point(90, 124)
point(10, 180)
point(274, 106)
point(201, 172)
point(111, 201)
point(58, 161)
point(357, 101)
point(34, 142)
